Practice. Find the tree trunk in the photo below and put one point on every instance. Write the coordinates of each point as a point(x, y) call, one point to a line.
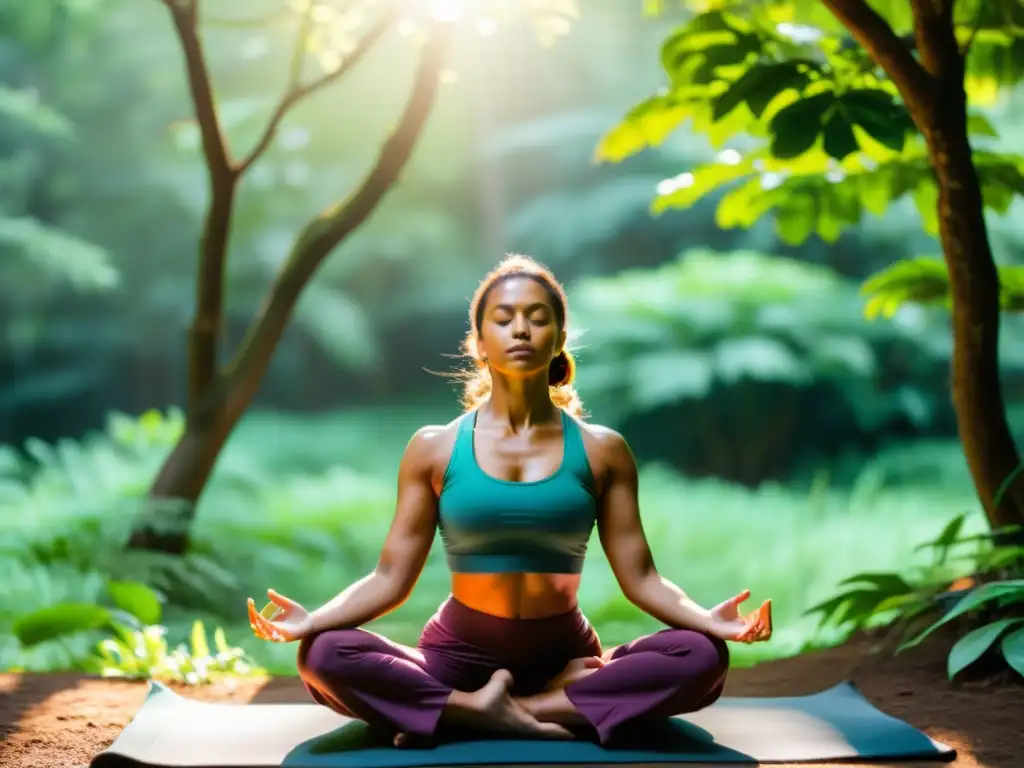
point(933, 89)
point(988, 444)
point(183, 476)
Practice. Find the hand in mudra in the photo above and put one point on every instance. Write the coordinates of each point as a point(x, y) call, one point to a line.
point(727, 623)
point(283, 620)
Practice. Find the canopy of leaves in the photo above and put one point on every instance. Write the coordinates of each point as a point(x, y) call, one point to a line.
point(813, 130)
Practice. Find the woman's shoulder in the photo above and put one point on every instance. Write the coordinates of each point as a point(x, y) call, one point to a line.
point(432, 444)
point(603, 444)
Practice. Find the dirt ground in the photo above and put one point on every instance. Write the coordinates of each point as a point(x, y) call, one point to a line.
point(63, 720)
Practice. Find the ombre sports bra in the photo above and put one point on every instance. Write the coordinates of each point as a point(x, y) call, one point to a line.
point(489, 525)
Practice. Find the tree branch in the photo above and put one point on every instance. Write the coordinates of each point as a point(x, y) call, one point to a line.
point(969, 43)
point(936, 38)
point(321, 235)
point(296, 93)
point(204, 334)
point(185, 18)
point(892, 54)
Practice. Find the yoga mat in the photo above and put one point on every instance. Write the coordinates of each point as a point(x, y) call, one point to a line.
point(835, 724)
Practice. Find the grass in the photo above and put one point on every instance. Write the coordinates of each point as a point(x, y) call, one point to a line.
point(302, 505)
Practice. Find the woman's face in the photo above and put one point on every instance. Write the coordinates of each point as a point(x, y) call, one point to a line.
point(519, 333)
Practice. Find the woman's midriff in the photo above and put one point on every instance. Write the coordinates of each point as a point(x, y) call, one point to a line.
point(517, 595)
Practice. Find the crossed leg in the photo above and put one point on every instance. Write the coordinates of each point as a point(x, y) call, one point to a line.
point(398, 689)
point(667, 673)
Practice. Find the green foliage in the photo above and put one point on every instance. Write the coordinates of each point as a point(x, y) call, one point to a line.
point(287, 510)
point(880, 599)
point(925, 281)
point(710, 336)
point(145, 653)
point(134, 644)
point(816, 134)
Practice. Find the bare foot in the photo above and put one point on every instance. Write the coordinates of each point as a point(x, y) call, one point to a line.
point(492, 708)
point(412, 741)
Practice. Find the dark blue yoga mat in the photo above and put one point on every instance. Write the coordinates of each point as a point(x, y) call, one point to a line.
point(835, 724)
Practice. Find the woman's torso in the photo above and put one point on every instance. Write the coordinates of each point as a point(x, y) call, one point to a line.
point(549, 464)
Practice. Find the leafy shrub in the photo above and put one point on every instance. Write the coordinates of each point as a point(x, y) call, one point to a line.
point(968, 575)
point(721, 357)
point(136, 647)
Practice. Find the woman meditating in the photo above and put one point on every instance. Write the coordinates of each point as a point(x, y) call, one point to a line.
point(516, 486)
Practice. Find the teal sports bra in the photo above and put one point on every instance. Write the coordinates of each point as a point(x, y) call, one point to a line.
point(490, 525)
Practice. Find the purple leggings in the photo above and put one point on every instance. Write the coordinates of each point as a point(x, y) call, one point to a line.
point(363, 675)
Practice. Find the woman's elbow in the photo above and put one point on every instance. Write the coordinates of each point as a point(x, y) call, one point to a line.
point(639, 586)
point(394, 585)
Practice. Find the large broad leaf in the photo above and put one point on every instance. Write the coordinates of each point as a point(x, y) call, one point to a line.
point(762, 83)
point(796, 128)
point(1013, 650)
point(695, 51)
point(1012, 590)
point(60, 620)
point(647, 125)
point(137, 599)
point(971, 646)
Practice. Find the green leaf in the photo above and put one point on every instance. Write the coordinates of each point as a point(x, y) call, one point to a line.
point(220, 642)
point(689, 188)
point(840, 141)
point(759, 85)
point(200, 647)
point(950, 533)
point(1013, 650)
point(889, 583)
point(995, 590)
point(137, 599)
point(971, 646)
point(56, 621)
point(923, 281)
point(646, 125)
point(874, 110)
point(796, 127)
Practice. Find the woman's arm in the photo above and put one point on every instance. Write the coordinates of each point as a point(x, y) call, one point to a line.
point(625, 544)
point(405, 549)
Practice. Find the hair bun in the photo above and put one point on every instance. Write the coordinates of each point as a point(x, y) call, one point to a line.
point(562, 370)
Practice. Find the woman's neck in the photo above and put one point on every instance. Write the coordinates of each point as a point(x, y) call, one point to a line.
point(520, 403)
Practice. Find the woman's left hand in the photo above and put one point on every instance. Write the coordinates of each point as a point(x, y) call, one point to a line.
point(727, 623)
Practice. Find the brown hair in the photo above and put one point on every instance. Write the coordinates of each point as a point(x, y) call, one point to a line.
point(562, 372)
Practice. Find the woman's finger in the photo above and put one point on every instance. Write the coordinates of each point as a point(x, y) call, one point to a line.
point(254, 621)
point(253, 613)
point(266, 627)
point(278, 599)
point(740, 597)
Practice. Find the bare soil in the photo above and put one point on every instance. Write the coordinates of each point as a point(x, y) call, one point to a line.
point(63, 720)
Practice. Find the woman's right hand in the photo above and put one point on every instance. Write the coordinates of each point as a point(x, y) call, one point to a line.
point(292, 622)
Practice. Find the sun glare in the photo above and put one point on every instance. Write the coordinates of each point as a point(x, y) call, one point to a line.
point(447, 10)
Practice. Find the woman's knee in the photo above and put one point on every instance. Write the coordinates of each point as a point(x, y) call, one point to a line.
point(329, 652)
point(710, 654)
